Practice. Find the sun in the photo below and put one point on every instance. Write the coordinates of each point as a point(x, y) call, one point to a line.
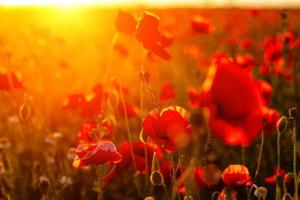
point(63, 2)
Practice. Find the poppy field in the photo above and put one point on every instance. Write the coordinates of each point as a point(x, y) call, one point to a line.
point(149, 104)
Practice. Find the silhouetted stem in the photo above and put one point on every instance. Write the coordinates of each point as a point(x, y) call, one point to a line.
point(260, 154)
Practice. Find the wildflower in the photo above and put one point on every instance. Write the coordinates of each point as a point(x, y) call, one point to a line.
point(201, 25)
point(277, 172)
point(234, 118)
point(96, 153)
point(166, 92)
point(148, 34)
point(235, 175)
point(169, 129)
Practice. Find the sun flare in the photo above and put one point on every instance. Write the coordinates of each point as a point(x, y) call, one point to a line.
point(63, 2)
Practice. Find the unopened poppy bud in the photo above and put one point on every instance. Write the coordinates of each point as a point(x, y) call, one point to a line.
point(261, 193)
point(44, 185)
point(188, 197)
point(282, 124)
point(288, 178)
point(156, 178)
point(293, 112)
point(145, 76)
point(149, 198)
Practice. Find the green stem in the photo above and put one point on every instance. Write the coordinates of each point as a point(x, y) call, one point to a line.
point(278, 192)
point(295, 161)
point(260, 154)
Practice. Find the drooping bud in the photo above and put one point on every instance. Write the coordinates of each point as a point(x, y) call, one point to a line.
point(282, 124)
point(188, 197)
point(156, 178)
point(293, 112)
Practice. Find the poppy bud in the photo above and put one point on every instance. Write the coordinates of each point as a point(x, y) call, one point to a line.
point(188, 197)
point(156, 178)
point(149, 198)
point(282, 124)
point(261, 193)
point(293, 112)
point(44, 185)
point(144, 76)
point(288, 178)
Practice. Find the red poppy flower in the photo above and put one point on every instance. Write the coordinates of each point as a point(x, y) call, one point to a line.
point(90, 127)
point(169, 129)
point(235, 175)
point(208, 175)
point(166, 92)
point(10, 81)
point(131, 110)
point(277, 172)
point(201, 25)
point(96, 154)
point(140, 150)
point(148, 34)
point(245, 44)
point(234, 118)
point(125, 23)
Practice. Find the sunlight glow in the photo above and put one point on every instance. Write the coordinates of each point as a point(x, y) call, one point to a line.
point(194, 3)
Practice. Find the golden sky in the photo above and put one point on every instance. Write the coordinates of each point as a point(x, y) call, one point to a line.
point(247, 3)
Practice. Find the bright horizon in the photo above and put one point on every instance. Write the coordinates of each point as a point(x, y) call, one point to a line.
point(194, 3)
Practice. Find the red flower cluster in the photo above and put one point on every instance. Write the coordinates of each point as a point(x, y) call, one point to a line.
point(89, 105)
point(280, 55)
point(169, 129)
point(146, 32)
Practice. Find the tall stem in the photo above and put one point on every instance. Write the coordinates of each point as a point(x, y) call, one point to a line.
point(278, 192)
point(260, 153)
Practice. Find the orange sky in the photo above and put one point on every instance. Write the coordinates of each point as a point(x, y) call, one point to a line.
point(206, 3)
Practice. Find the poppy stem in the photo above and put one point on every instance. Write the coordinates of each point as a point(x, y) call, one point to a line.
point(260, 153)
point(100, 175)
point(278, 192)
point(295, 160)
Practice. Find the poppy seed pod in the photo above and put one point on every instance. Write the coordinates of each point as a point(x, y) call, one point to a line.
point(261, 193)
point(188, 197)
point(293, 112)
point(156, 178)
point(44, 185)
point(282, 124)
